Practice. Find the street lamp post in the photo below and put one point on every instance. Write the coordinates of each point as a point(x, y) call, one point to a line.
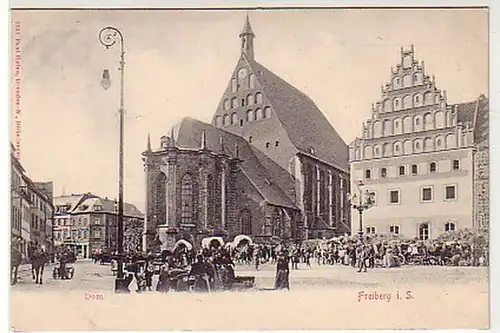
point(361, 202)
point(108, 37)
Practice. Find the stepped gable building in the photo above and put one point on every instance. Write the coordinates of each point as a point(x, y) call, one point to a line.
point(417, 155)
point(269, 164)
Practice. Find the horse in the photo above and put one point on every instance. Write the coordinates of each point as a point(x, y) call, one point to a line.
point(15, 260)
point(38, 261)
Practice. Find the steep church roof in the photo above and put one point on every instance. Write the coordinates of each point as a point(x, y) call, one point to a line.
point(260, 170)
point(303, 121)
point(308, 130)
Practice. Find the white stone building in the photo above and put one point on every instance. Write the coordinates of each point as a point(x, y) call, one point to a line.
point(416, 154)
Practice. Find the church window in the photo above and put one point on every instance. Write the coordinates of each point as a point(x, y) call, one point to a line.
point(258, 98)
point(267, 112)
point(242, 73)
point(234, 85)
point(252, 81)
point(210, 198)
point(258, 114)
point(234, 118)
point(234, 103)
point(250, 100)
point(218, 121)
point(187, 200)
point(250, 116)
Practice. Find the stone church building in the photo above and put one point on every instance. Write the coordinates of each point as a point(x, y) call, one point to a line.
point(270, 166)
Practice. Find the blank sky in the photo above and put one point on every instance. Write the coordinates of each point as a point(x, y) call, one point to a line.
point(179, 63)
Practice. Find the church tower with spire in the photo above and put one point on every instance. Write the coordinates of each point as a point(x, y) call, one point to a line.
point(247, 36)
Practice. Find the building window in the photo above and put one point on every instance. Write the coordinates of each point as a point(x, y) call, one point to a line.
point(311, 150)
point(234, 118)
point(383, 172)
point(371, 229)
point(242, 102)
point(368, 174)
point(450, 192)
point(250, 139)
point(267, 112)
point(268, 145)
point(414, 169)
point(423, 231)
point(258, 114)
point(250, 115)
point(394, 196)
point(456, 164)
point(234, 103)
point(426, 195)
point(449, 226)
point(277, 144)
point(394, 229)
point(402, 170)
point(187, 200)
point(241, 122)
point(432, 167)
point(258, 98)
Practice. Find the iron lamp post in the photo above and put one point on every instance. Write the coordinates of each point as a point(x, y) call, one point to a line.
point(361, 202)
point(108, 37)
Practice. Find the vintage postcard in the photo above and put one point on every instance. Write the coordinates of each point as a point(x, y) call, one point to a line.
point(223, 169)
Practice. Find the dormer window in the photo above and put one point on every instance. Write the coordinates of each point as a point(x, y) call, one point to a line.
point(97, 208)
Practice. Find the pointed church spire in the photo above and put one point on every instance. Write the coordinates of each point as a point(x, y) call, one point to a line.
point(203, 140)
point(221, 140)
point(247, 36)
point(172, 138)
point(236, 150)
point(149, 142)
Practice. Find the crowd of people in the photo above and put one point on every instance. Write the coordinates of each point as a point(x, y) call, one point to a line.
point(213, 267)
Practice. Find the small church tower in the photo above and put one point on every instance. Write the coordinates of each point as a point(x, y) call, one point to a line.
point(247, 36)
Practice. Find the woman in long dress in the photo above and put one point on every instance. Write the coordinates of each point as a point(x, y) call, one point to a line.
point(282, 274)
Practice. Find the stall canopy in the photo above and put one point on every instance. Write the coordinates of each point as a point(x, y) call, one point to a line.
point(209, 241)
point(181, 243)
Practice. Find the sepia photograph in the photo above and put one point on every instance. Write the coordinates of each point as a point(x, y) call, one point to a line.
point(249, 169)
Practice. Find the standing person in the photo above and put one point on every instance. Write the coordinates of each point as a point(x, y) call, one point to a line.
point(362, 256)
point(282, 273)
point(150, 270)
point(256, 258)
